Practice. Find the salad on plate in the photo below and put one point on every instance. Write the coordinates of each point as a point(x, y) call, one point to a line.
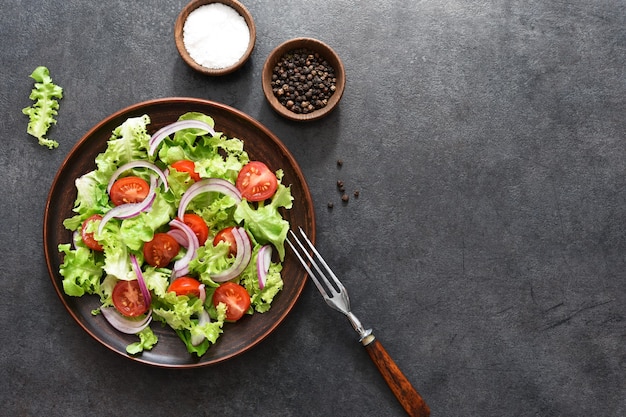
point(180, 229)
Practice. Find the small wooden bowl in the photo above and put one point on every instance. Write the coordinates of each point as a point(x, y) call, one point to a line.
point(324, 51)
point(180, 44)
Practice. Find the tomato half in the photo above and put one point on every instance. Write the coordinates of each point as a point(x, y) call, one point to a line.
point(160, 250)
point(235, 297)
point(198, 225)
point(87, 237)
point(256, 182)
point(185, 286)
point(226, 235)
point(129, 190)
point(128, 299)
point(185, 165)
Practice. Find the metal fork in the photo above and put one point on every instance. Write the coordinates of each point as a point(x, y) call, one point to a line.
point(336, 296)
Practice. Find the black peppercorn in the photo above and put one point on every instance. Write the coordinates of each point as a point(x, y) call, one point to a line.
point(306, 73)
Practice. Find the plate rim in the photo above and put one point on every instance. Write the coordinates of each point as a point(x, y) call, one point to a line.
point(54, 274)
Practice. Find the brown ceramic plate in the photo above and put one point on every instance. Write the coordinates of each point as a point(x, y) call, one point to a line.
point(260, 144)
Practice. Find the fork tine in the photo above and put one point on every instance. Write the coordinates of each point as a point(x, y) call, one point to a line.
point(338, 298)
point(336, 281)
point(305, 265)
point(320, 274)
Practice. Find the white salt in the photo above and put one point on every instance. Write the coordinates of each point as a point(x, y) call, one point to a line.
point(215, 35)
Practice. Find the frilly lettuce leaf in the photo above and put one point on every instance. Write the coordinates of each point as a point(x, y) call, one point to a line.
point(81, 271)
point(261, 299)
point(215, 156)
point(147, 340)
point(157, 280)
point(177, 311)
point(211, 331)
point(265, 221)
point(128, 142)
point(41, 113)
point(181, 312)
point(116, 253)
point(134, 232)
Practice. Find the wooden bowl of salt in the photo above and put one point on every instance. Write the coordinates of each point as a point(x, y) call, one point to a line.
point(215, 37)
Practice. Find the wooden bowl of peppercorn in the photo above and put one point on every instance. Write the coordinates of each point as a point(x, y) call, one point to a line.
point(303, 79)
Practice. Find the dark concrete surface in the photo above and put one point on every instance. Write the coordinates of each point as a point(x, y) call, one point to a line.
point(487, 248)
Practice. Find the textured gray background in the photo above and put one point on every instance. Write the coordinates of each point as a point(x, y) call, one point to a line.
point(487, 248)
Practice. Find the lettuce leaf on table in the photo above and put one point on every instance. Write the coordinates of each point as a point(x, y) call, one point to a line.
point(41, 113)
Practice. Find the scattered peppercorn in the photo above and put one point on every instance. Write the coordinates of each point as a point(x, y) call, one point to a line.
point(330, 204)
point(339, 162)
point(356, 193)
point(303, 81)
point(345, 198)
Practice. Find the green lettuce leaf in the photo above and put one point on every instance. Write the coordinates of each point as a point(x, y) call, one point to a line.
point(177, 311)
point(81, 271)
point(147, 340)
point(91, 196)
point(135, 231)
point(157, 280)
point(261, 299)
point(116, 253)
point(210, 260)
point(211, 331)
point(128, 142)
point(215, 156)
point(42, 112)
point(265, 221)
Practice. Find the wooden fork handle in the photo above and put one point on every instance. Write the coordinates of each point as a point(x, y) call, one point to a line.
point(409, 398)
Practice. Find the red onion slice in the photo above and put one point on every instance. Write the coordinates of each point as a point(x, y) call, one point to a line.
point(137, 164)
point(75, 235)
point(125, 324)
point(263, 260)
point(128, 210)
point(202, 290)
point(244, 254)
point(181, 266)
point(204, 186)
point(179, 236)
point(142, 283)
point(164, 132)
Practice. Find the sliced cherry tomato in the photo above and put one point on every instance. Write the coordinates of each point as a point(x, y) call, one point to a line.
point(185, 165)
point(226, 235)
point(160, 250)
point(256, 182)
point(235, 297)
point(129, 190)
point(87, 237)
point(128, 299)
point(198, 225)
point(185, 286)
